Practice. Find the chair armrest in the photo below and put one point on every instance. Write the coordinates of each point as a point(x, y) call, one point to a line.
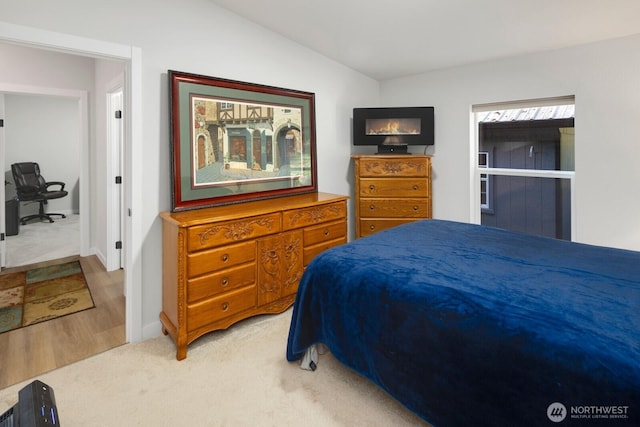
point(50, 183)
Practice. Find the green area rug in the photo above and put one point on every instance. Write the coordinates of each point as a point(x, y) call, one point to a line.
point(41, 294)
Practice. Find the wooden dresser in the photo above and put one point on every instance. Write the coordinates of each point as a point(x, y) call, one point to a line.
point(224, 264)
point(390, 190)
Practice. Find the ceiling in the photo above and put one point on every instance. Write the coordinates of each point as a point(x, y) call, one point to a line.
point(396, 38)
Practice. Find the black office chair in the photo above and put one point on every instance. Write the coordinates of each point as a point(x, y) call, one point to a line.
point(31, 186)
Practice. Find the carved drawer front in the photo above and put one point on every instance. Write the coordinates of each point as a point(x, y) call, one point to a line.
point(220, 258)
point(370, 226)
point(408, 166)
point(310, 252)
point(396, 187)
point(223, 281)
point(313, 215)
point(398, 208)
point(222, 306)
point(222, 233)
point(324, 232)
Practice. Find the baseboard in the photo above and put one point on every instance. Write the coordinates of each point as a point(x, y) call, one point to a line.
point(95, 251)
point(152, 330)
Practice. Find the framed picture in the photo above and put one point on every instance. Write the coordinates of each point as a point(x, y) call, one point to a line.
point(233, 141)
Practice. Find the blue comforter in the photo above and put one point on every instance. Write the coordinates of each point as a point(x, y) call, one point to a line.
point(469, 325)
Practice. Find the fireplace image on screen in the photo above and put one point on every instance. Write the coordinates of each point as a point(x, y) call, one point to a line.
point(393, 129)
point(400, 126)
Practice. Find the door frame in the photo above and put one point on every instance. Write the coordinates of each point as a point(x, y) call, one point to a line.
point(131, 56)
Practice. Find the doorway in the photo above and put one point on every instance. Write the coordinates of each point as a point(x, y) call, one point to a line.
point(131, 57)
point(43, 125)
point(88, 328)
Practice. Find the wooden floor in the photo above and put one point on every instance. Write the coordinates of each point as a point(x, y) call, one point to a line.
point(33, 350)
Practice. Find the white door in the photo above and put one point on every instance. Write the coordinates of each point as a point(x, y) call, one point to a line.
point(115, 138)
point(3, 249)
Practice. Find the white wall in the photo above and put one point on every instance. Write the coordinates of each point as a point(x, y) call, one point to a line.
point(45, 130)
point(196, 36)
point(605, 79)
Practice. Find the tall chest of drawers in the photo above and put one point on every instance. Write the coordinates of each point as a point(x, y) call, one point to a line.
point(224, 264)
point(390, 190)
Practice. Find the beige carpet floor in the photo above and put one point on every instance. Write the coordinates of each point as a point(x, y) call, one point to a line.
point(238, 377)
point(39, 241)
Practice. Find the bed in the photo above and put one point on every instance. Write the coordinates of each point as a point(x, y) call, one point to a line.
point(472, 325)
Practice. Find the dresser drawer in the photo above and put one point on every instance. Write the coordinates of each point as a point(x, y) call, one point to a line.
point(324, 232)
point(213, 260)
point(394, 187)
point(222, 233)
point(406, 166)
point(223, 281)
point(313, 215)
point(394, 208)
point(310, 252)
point(370, 226)
point(222, 306)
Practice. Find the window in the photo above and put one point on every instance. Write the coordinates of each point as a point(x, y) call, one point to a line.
point(525, 163)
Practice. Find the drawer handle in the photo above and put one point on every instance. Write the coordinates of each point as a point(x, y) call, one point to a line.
point(415, 208)
point(415, 187)
point(225, 258)
point(225, 306)
point(372, 207)
point(225, 282)
point(372, 187)
point(326, 232)
point(372, 227)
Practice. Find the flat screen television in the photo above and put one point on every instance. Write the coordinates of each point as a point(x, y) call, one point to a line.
point(393, 129)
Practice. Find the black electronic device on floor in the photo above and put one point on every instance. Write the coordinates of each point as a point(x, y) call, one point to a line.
point(36, 407)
